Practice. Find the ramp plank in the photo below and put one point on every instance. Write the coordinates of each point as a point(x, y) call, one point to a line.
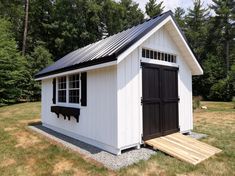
point(183, 148)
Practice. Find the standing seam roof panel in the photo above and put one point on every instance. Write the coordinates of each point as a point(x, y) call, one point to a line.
point(109, 47)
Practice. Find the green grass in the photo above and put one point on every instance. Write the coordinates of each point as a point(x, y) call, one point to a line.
point(23, 152)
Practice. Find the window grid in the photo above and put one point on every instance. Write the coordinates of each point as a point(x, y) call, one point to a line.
point(74, 88)
point(151, 54)
point(62, 89)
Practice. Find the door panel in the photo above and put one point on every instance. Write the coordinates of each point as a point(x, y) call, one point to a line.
point(170, 122)
point(152, 121)
point(160, 100)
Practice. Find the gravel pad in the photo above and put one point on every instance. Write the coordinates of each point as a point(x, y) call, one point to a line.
point(109, 160)
point(197, 135)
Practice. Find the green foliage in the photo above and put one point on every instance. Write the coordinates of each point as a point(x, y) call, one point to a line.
point(196, 102)
point(179, 16)
point(232, 76)
point(13, 11)
point(132, 13)
point(213, 71)
point(222, 90)
point(223, 30)
point(196, 32)
point(110, 17)
point(152, 8)
point(12, 66)
point(37, 60)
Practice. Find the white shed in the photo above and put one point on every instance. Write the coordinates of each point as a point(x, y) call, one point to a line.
point(124, 89)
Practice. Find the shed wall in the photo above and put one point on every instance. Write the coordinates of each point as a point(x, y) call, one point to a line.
point(128, 82)
point(97, 121)
point(162, 41)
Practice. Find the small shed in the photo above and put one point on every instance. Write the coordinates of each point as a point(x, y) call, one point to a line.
point(122, 90)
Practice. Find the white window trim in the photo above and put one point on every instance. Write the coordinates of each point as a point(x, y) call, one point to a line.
point(158, 62)
point(67, 104)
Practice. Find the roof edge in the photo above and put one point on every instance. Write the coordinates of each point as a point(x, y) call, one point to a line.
point(78, 66)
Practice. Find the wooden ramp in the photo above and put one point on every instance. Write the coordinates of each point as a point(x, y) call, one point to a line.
point(183, 147)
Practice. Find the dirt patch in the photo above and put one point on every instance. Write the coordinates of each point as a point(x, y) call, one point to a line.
point(62, 166)
point(152, 168)
point(30, 121)
point(79, 173)
point(7, 162)
point(10, 129)
point(25, 139)
point(5, 114)
point(31, 163)
point(214, 117)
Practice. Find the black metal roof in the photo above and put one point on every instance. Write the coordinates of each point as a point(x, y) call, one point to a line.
point(103, 51)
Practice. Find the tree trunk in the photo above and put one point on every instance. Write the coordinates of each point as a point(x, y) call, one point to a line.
point(25, 26)
point(227, 57)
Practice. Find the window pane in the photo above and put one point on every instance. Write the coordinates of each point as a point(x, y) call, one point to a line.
point(147, 53)
point(165, 57)
point(162, 56)
point(62, 89)
point(74, 96)
point(155, 54)
point(159, 56)
point(62, 95)
point(169, 58)
point(74, 88)
point(74, 81)
point(172, 58)
point(143, 52)
point(151, 54)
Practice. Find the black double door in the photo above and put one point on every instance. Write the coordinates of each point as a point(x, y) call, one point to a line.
point(160, 100)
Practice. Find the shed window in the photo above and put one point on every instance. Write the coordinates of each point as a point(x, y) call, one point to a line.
point(74, 88)
point(151, 54)
point(62, 89)
point(69, 89)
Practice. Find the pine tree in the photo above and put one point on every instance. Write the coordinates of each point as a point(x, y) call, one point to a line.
point(225, 28)
point(12, 66)
point(196, 32)
point(179, 16)
point(132, 15)
point(152, 8)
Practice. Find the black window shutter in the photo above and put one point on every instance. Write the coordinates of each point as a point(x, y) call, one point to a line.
point(54, 91)
point(84, 89)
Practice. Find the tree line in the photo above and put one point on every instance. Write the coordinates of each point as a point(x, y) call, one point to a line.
point(34, 34)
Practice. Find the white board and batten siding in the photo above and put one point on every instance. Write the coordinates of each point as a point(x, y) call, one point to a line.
point(162, 41)
point(129, 79)
point(129, 102)
point(112, 119)
point(98, 120)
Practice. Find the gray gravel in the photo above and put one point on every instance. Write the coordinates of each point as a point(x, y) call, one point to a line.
point(197, 135)
point(109, 160)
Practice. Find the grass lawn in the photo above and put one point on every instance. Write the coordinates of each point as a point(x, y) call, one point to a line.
point(23, 152)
